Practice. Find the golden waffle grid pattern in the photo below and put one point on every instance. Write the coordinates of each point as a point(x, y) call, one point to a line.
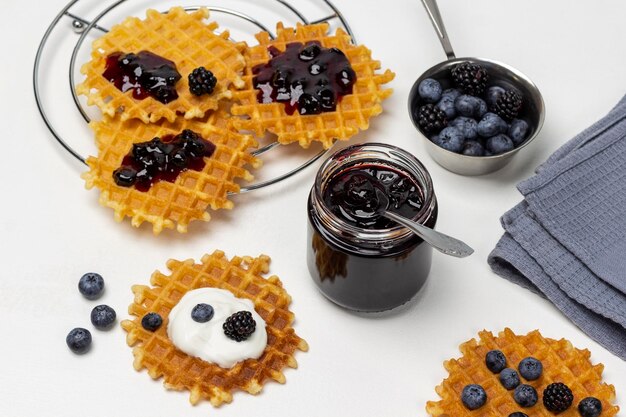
point(561, 363)
point(243, 276)
point(167, 204)
point(353, 111)
point(178, 36)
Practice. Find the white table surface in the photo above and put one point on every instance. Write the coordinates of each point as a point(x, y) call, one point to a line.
point(52, 230)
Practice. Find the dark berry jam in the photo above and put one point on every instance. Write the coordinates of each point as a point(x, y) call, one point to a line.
point(162, 159)
point(355, 195)
point(145, 73)
point(308, 78)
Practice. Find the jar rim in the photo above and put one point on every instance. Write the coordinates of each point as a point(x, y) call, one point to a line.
point(381, 154)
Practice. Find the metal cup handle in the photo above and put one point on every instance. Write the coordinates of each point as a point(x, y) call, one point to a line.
point(435, 17)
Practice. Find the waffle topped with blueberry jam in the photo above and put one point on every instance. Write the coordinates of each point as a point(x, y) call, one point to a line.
point(309, 86)
point(159, 67)
point(169, 174)
point(244, 277)
point(522, 375)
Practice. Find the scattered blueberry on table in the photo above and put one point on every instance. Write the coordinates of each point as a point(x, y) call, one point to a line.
point(91, 285)
point(103, 317)
point(488, 116)
point(78, 340)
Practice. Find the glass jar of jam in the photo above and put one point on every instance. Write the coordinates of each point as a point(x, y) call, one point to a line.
point(358, 258)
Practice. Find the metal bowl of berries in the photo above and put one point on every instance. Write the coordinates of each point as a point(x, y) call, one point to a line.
point(475, 114)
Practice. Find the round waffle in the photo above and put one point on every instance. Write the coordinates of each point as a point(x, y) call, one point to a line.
point(353, 112)
point(178, 36)
point(168, 204)
point(243, 277)
point(561, 363)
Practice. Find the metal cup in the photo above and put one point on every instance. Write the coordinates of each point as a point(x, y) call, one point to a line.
point(533, 110)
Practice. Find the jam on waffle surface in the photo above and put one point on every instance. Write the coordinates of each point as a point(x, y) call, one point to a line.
point(353, 111)
point(177, 36)
point(171, 204)
point(244, 277)
point(561, 363)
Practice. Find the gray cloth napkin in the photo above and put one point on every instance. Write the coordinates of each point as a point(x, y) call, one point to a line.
point(567, 239)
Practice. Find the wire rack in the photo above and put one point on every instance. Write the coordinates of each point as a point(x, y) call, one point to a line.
point(80, 27)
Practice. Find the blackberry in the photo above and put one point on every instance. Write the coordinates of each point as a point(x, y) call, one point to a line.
point(201, 81)
point(470, 78)
point(239, 326)
point(431, 119)
point(508, 105)
point(557, 397)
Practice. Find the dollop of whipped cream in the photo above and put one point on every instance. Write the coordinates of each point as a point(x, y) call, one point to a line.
point(207, 341)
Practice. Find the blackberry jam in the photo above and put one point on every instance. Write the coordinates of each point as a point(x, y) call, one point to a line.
point(308, 78)
point(357, 258)
point(145, 73)
point(162, 159)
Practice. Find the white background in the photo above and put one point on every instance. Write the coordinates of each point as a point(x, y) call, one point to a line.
point(52, 230)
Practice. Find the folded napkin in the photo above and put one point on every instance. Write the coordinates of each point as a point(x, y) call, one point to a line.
point(567, 239)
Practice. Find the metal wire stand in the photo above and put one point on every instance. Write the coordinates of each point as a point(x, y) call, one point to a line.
point(82, 27)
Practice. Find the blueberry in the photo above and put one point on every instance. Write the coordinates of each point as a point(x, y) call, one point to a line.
point(91, 285)
point(429, 90)
point(518, 414)
point(509, 378)
point(525, 395)
point(309, 52)
point(202, 313)
point(326, 97)
point(450, 139)
point(151, 322)
point(78, 340)
point(590, 407)
point(308, 104)
point(102, 317)
point(125, 176)
point(490, 125)
point(466, 125)
point(493, 93)
point(466, 105)
point(495, 360)
point(473, 148)
point(446, 104)
point(517, 131)
point(500, 144)
point(473, 396)
point(530, 368)
point(453, 93)
point(482, 108)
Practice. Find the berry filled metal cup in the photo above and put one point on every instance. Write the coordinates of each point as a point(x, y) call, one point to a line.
point(502, 75)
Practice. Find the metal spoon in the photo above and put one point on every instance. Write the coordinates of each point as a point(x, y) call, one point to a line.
point(440, 241)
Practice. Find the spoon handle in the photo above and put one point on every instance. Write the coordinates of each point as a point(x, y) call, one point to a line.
point(442, 242)
point(435, 17)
